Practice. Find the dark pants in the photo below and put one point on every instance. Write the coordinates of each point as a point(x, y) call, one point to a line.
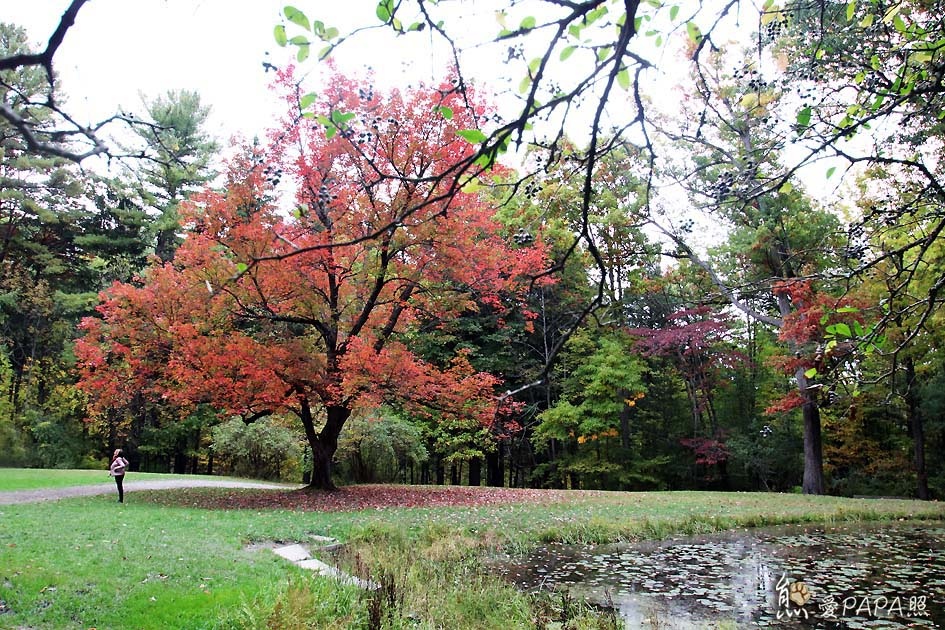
point(121, 491)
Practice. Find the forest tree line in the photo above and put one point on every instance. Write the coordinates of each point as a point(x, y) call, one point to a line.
point(806, 331)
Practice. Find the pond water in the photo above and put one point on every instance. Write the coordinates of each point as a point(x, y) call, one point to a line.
point(851, 576)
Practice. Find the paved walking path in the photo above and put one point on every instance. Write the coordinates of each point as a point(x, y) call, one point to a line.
point(54, 494)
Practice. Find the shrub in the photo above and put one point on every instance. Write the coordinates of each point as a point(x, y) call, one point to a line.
point(261, 450)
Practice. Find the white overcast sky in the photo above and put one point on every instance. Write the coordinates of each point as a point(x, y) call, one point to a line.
point(119, 50)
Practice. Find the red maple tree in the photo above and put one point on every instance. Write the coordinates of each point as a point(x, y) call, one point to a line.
point(823, 332)
point(264, 311)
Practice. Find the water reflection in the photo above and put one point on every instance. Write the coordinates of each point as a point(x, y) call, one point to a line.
point(858, 576)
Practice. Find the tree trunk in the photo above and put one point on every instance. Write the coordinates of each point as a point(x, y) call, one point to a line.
point(624, 394)
point(475, 472)
point(180, 456)
point(495, 469)
point(325, 443)
point(813, 450)
point(917, 428)
point(813, 482)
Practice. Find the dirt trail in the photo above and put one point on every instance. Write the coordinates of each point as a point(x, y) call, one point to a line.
point(54, 494)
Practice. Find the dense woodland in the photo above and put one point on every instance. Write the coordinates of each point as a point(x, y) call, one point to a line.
point(371, 293)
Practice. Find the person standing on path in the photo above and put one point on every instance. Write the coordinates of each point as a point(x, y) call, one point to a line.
point(117, 470)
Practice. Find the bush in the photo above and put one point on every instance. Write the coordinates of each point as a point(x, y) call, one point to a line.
point(261, 450)
point(378, 450)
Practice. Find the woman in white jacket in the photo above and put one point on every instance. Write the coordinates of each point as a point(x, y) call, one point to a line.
point(117, 470)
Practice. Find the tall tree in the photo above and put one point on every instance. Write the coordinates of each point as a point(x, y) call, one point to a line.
point(182, 151)
point(39, 212)
point(875, 70)
point(60, 240)
point(262, 313)
point(775, 237)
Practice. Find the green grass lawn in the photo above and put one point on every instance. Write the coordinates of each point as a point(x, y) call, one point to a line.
point(12, 479)
point(33, 479)
point(90, 562)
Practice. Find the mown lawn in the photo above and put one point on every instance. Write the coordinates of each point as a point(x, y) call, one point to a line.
point(32, 479)
point(182, 559)
point(12, 479)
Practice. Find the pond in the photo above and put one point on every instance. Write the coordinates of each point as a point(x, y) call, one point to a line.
point(849, 576)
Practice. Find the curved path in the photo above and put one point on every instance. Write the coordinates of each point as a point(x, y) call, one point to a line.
point(54, 494)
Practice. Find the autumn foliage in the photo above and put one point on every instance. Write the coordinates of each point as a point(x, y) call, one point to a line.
point(823, 330)
point(304, 305)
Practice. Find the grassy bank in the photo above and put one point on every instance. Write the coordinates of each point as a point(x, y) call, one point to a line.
point(160, 562)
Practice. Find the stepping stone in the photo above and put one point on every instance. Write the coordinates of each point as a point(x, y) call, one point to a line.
point(319, 567)
point(323, 540)
point(293, 553)
point(327, 570)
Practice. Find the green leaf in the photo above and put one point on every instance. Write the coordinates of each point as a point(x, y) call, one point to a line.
point(303, 53)
point(533, 66)
point(241, 267)
point(851, 10)
point(383, 11)
point(524, 85)
point(810, 373)
point(900, 24)
point(831, 171)
point(694, 32)
point(486, 160)
point(892, 13)
point(848, 309)
point(803, 117)
point(567, 51)
point(445, 112)
point(596, 14)
point(296, 17)
point(673, 12)
point(528, 23)
point(330, 33)
point(574, 31)
point(623, 79)
point(867, 20)
point(840, 330)
point(307, 100)
point(341, 118)
point(299, 40)
point(324, 52)
point(279, 34)
point(786, 188)
point(472, 136)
